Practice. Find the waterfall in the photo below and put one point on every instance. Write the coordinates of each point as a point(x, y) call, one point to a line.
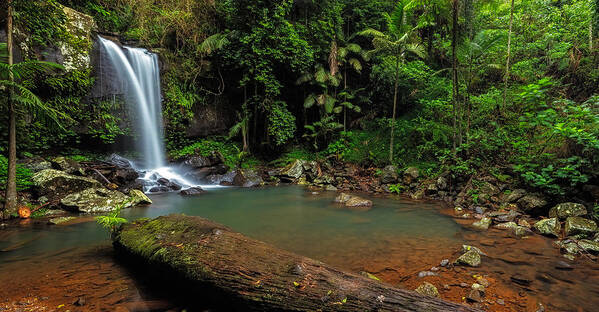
point(138, 71)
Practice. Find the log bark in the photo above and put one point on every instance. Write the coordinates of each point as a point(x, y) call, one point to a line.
point(257, 275)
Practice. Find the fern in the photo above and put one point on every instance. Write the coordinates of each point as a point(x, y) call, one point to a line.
point(112, 221)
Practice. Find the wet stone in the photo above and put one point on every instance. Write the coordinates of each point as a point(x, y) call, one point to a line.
point(470, 258)
point(427, 289)
point(578, 225)
point(565, 210)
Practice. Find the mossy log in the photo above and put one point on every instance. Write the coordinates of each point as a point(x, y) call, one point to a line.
point(256, 275)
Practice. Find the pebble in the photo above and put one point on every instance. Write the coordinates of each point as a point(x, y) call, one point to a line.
point(426, 273)
point(434, 269)
point(563, 265)
point(464, 285)
point(475, 295)
point(500, 301)
point(483, 282)
point(444, 262)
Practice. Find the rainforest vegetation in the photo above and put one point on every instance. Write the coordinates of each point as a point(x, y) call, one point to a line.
point(458, 86)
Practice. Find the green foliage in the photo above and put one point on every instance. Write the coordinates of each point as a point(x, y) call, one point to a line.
point(231, 152)
point(288, 157)
point(24, 175)
point(396, 188)
point(42, 21)
point(112, 221)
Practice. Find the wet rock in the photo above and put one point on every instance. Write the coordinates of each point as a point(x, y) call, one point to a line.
point(431, 189)
point(470, 258)
point(79, 302)
point(467, 248)
point(222, 179)
point(524, 223)
point(563, 265)
point(569, 246)
point(192, 191)
point(247, 178)
point(139, 198)
point(504, 216)
point(159, 189)
point(500, 301)
point(565, 210)
point(174, 186)
point(578, 225)
point(480, 210)
point(94, 200)
point(371, 276)
point(352, 200)
point(444, 262)
point(427, 289)
point(55, 184)
point(532, 202)
point(521, 231)
point(515, 195)
point(589, 245)
point(422, 274)
point(489, 189)
point(550, 226)
point(410, 175)
point(119, 161)
point(441, 183)
point(67, 165)
point(60, 220)
point(163, 181)
point(479, 287)
point(330, 188)
point(475, 296)
point(521, 279)
point(40, 165)
point(482, 224)
point(389, 175)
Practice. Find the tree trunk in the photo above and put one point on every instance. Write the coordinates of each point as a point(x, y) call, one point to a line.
point(345, 90)
point(454, 39)
point(396, 87)
point(251, 275)
point(507, 61)
point(11, 182)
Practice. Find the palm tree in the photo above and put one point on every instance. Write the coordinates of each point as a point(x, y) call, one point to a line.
point(19, 97)
point(398, 41)
point(347, 58)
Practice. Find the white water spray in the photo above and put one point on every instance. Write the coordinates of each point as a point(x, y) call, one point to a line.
point(139, 71)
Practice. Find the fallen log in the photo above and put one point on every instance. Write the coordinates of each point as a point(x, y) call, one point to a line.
point(256, 275)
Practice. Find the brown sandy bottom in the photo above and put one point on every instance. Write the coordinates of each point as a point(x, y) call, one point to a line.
point(521, 273)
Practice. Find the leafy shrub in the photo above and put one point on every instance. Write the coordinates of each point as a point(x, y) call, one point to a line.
point(24, 175)
point(206, 147)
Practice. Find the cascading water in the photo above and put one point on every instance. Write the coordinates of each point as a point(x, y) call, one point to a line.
point(139, 73)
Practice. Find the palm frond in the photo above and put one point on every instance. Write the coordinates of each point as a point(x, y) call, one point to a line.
point(355, 64)
point(416, 49)
point(213, 43)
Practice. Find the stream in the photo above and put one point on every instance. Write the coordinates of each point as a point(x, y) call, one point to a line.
point(43, 267)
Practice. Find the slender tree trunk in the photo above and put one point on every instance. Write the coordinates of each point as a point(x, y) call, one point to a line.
point(591, 31)
point(396, 87)
point(454, 39)
point(507, 61)
point(11, 181)
point(345, 90)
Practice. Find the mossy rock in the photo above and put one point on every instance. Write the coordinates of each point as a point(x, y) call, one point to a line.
point(578, 225)
point(55, 184)
point(565, 210)
point(549, 226)
point(470, 258)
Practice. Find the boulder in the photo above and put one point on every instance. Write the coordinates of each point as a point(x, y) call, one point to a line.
point(470, 258)
point(294, 170)
point(352, 201)
point(67, 165)
point(578, 225)
point(532, 202)
point(506, 225)
point(467, 248)
point(55, 184)
point(589, 245)
point(192, 191)
point(139, 198)
point(410, 175)
point(96, 200)
point(521, 231)
point(427, 289)
point(222, 179)
point(489, 189)
point(482, 224)
point(247, 178)
point(199, 161)
point(60, 220)
point(441, 183)
point(389, 175)
point(565, 210)
point(515, 195)
point(40, 165)
point(549, 226)
point(119, 161)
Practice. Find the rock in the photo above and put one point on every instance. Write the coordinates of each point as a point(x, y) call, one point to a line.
point(506, 225)
point(578, 225)
point(371, 276)
point(569, 256)
point(159, 189)
point(330, 188)
point(506, 216)
point(563, 265)
point(532, 202)
point(489, 189)
point(515, 195)
point(67, 165)
point(410, 175)
point(483, 281)
point(60, 220)
point(294, 170)
point(589, 245)
point(389, 175)
point(482, 224)
point(192, 191)
point(422, 274)
point(173, 186)
point(467, 248)
point(247, 178)
point(431, 189)
point(479, 287)
point(500, 301)
point(569, 246)
point(163, 181)
point(36, 166)
point(95, 200)
point(521, 279)
point(565, 210)
point(54, 184)
point(427, 289)
point(119, 161)
point(470, 258)
point(226, 178)
point(139, 198)
point(480, 210)
point(521, 231)
point(441, 183)
point(352, 200)
point(475, 296)
point(550, 226)
point(444, 262)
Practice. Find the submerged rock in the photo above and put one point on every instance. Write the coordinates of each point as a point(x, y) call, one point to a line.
point(192, 191)
point(94, 200)
point(55, 184)
point(60, 220)
point(427, 289)
point(565, 210)
point(578, 225)
point(352, 201)
point(470, 258)
point(550, 226)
